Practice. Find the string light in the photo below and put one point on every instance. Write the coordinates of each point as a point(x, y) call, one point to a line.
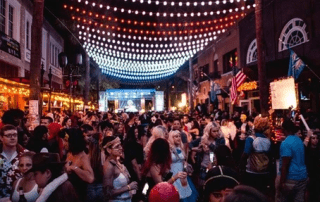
point(202, 3)
point(137, 12)
point(154, 24)
point(138, 54)
point(149, 38)
point(152, 32)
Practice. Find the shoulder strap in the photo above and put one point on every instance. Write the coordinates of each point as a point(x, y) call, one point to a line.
point(18, 182)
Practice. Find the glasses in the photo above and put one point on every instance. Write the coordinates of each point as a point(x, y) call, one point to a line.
point(12, 135)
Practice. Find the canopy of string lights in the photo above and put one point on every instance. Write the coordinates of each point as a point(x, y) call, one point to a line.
point(142, 41)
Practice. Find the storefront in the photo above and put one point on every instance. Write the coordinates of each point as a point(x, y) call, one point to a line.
point(61, 101)
point(15, 95)
point(249, 99)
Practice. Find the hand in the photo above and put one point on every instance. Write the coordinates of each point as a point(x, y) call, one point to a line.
point(69, 168)
point(133, 186)
point(205, 148)
point(309, 133)
point(180, 175)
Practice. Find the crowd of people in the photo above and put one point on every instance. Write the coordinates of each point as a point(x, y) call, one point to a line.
point(135, 157)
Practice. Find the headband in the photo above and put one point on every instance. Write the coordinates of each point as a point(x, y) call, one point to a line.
point(115, 141)
point(220, 176)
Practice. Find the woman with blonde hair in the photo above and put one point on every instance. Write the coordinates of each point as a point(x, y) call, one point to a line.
point(157, 132)
point(185, 187)
point(205, 147)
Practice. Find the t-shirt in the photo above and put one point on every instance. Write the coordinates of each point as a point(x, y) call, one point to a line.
point(293, 147)
point(248, 148)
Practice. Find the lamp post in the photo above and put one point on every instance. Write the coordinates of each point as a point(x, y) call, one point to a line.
point(63, 62)
point(50, 88)
point(44, 88)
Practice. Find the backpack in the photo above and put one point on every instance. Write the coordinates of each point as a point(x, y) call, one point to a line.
point(258, 161)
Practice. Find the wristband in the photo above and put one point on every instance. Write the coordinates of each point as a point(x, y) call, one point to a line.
point(129, 188)
point(173, 179)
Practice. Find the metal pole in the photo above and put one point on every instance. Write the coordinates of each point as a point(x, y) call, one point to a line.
point(87, 81)
point(50, 87)
point(190, 85)
point(263, 84)
point(71, 90)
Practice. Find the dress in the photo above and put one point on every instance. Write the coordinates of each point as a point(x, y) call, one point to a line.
point(189, 192)
point(31, 195)
point(118, 183)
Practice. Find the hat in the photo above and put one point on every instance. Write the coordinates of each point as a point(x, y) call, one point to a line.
point(54, 129)
point(46, 160)
point(219, 178)
point(243, 193)
point(164, 192)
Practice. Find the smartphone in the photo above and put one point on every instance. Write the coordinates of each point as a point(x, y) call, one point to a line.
point(145, 189)
point(211, 157)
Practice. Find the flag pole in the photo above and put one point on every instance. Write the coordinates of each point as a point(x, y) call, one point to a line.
point(313, 71)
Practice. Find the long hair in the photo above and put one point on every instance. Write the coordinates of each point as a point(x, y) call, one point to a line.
point(195, 124)
point(208, 130)
point(105, 141)
point(171, 142)
point(95, 157)
point(157, 132)
point(76, 140)
point(159, 154)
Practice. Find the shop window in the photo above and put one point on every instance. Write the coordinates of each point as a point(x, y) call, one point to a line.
point(230, 60)
point(293, 34)
point(252, 54)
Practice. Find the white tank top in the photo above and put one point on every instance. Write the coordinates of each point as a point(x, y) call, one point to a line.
point(31, 196)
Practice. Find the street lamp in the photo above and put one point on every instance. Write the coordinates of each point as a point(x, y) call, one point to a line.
point(63, 62)
point(50, 84)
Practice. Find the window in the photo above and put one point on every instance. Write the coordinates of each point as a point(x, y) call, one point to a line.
point(10, 30)
point(54, 52)
point(252, 54)
point(230, 60)
point(51, 53)
point(28, 35)
point(3, 16)
point(204, 72)
point(215, 66)
point(293, 34)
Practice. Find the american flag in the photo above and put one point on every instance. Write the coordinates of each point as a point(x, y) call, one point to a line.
point(236, 82)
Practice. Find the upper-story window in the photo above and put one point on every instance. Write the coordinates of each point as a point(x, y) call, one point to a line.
point(252, 54)
point(10, 25)
point(54, 52)
point(10, 18)
point(28, 45)
point(293, 34)
point(204, 72)
point(3, 16)
point(230, 60)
